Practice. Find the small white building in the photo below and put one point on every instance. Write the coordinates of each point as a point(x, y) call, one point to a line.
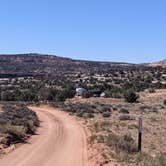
point(81, 92)
point(102, 94)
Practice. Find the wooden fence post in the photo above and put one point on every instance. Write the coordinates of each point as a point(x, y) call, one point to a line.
point(140, 133)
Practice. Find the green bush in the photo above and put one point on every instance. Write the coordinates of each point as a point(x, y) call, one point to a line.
point(130, 96)
point(18, 95)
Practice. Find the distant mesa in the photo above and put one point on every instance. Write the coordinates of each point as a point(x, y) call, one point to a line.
point(159, 63)
point(33, 64)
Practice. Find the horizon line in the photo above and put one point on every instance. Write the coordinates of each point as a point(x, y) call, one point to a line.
point(53, 54)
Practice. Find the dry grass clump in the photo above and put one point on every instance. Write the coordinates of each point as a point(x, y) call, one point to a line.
point(126, 117)
point(20, 115)
point(146, 160)
point(11, 134)
point(101, 126)
point(125, 143)
point(16, 122)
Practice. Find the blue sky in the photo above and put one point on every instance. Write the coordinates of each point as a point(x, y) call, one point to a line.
point(107, 30)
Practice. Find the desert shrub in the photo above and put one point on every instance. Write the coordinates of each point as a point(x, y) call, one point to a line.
point(60, 96)
point(124, 111)
point(53, 94)
point(87, 110)
point(89, 115)
point(97, 138)
point(130, 96)
point(112, 139)
point(146, 160)
point(102, 126)
point(45, 94)
point(115, 108)
point(92, 139)
point(14, 134)
point(105, 109)
point(17, 95)
point(127, 144)
point(8, 96)
point(125, 117)
point(114, 92)
point(79, 107)
point(79, 114)
point(64, 94)
point(16, 121)
point(101, 138)
point(94, 106)
point(144, 108)
point(69, 109)
point(20, 116)
point(154, 109)
point(152, 90)
point(106, 114)
point(164, 102)
point(132, 126)
point(160, 160)
point(160, 107)
point(27, 96)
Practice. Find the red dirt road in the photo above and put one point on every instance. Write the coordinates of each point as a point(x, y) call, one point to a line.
point(60, 141)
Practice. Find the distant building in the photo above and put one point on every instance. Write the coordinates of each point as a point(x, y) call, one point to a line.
point(81, 92)
point(102, 94)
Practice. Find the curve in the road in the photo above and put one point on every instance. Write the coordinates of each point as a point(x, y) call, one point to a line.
point(60, 141)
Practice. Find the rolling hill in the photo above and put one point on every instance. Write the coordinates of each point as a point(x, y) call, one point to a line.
point(38, 64)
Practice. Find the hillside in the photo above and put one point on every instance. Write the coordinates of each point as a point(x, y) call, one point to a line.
point(37, 64)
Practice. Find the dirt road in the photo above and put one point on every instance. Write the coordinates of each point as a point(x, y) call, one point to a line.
point(60, 141)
